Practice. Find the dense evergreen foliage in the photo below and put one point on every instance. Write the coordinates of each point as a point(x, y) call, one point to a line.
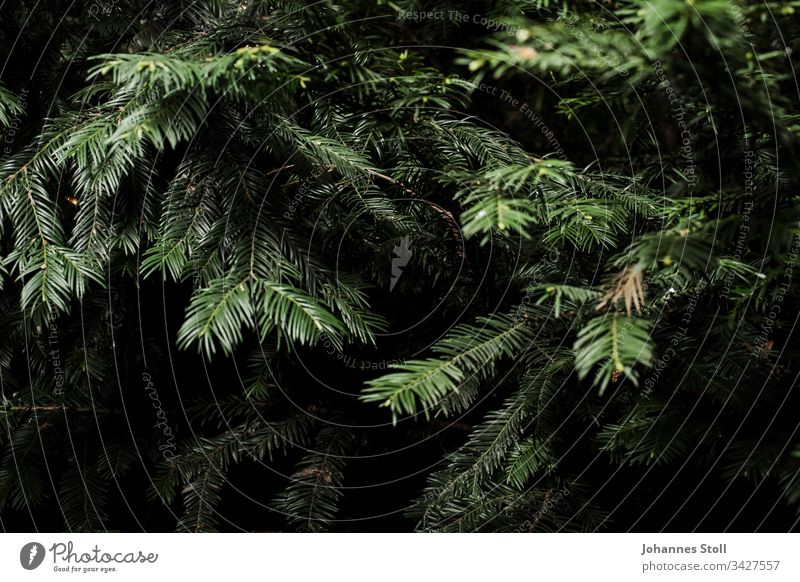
point(358, 266)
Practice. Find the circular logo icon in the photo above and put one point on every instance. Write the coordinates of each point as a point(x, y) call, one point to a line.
point(31, 555)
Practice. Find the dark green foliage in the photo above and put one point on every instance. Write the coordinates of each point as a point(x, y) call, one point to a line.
point(291, 268)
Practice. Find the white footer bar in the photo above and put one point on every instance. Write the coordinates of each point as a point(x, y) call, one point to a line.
point(401, 557)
